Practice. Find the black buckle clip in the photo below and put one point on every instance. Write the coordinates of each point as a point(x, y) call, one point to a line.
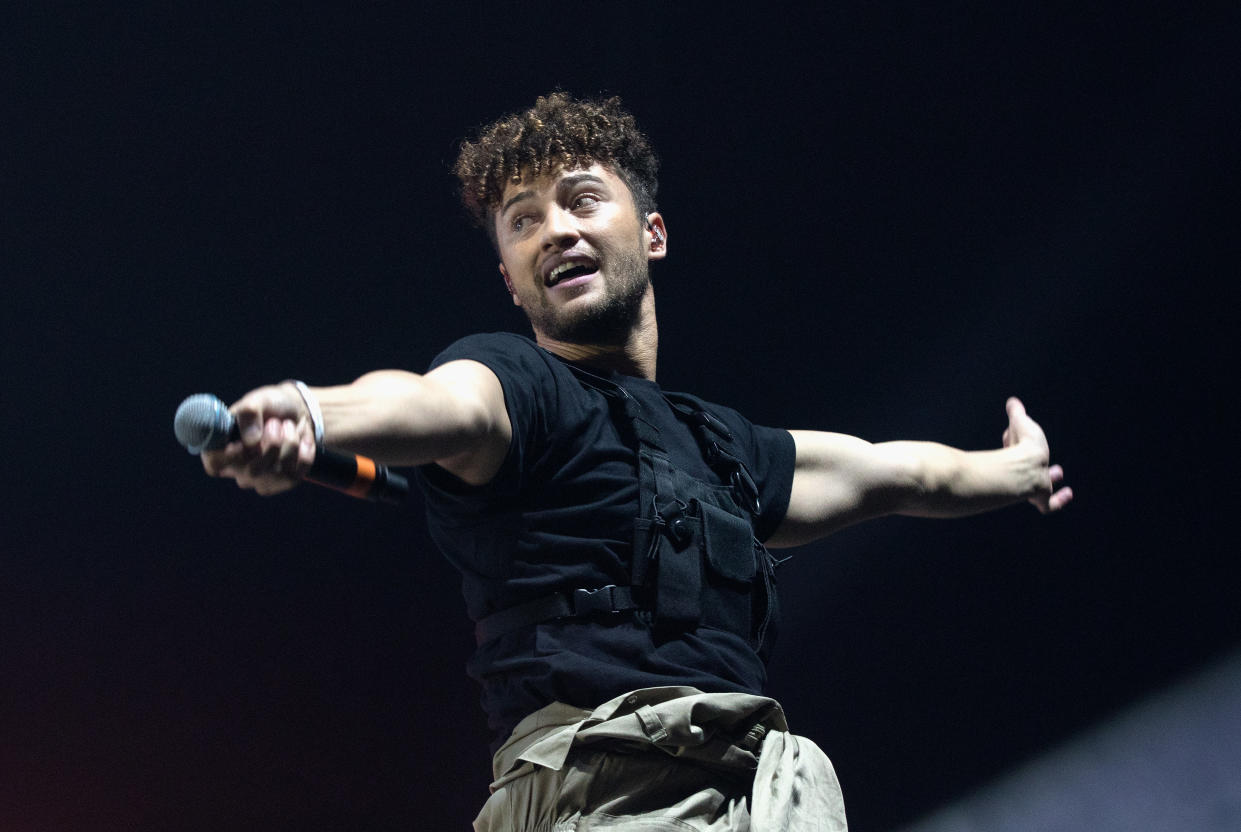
point(705, 419)
point(671, 520)
point(744, 483)
point(590, 601)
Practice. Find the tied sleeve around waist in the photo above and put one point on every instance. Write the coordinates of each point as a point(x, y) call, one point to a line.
point(737, 734)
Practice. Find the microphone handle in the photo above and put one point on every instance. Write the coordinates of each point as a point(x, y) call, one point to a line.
point(357, 476)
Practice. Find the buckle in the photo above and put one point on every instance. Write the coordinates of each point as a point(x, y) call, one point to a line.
point(744, 483)
point(706, 420)
point(590, 601)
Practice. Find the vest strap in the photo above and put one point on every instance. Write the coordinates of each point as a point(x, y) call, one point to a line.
point(580, 603)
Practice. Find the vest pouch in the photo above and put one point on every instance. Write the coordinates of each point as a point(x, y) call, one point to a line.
point(676, 561)
point(728, 550)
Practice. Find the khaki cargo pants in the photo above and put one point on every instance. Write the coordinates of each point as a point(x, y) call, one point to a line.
point(669, 758)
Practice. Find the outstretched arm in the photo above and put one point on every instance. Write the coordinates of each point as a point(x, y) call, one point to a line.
point(454, 416)
point(840, 480)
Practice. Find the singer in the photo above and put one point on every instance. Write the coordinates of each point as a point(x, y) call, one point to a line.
point(614, 539)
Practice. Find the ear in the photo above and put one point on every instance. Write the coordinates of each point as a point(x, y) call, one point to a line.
point(656, 237)
point(508, 284)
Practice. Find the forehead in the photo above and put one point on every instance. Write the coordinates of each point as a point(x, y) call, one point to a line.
point(546, 184)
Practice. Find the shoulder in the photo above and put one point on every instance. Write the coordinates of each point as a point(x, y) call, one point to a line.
point(525, 370)
point(506, 349)
point(540, 391)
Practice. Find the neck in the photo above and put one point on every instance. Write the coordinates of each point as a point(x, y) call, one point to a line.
point(634, 356)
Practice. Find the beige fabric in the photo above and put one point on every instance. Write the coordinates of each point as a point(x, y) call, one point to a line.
point(669, 758)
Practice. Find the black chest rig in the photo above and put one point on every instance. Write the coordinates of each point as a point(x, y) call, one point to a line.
point(696, 560)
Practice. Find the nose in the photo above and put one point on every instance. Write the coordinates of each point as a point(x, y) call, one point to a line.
point(559, 229)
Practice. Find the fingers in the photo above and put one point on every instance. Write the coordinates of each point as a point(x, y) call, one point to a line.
point(1054, 499)
point(277, 456)
point(287, 451)
point(1059, 498)
point(296, 449)
point(249, 426)
point(213, 462)
point(256, 409)
point(290, 442)
point(278, 451)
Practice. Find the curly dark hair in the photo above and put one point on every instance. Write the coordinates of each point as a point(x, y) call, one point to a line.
point(558, 132)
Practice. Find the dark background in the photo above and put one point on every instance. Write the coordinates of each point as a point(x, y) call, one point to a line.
point(883, 221)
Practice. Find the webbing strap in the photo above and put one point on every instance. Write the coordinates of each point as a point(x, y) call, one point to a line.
point(579, 603)
point(678, 599)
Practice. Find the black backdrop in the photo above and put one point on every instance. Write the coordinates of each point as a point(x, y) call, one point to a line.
point(882, 221)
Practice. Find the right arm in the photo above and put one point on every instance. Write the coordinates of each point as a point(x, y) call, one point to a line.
point(454, 416)
point(839, 480)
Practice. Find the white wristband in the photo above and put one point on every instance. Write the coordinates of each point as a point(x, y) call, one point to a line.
point(312, 404)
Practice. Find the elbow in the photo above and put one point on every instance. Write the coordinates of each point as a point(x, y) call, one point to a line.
point(915, 480)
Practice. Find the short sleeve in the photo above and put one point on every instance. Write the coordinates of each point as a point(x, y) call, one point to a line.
point(775, 456)
point(529, 396)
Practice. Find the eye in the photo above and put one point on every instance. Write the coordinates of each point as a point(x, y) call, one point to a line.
point(584, 201)
point(519, 222)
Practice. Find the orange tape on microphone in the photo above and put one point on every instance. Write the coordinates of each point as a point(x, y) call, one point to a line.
point(364, 479)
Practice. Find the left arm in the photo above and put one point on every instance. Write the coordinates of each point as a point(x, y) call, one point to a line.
point(840, 480)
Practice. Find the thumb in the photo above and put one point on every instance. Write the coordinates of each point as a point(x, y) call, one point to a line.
point(1014, 407)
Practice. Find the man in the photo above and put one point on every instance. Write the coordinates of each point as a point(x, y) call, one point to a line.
point(613, 537)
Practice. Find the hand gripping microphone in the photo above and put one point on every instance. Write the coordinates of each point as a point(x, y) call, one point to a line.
point(203, 423)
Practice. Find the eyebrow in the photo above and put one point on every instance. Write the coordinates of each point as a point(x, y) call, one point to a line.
point(577, 178)
point(563, 184)
point(517, 197)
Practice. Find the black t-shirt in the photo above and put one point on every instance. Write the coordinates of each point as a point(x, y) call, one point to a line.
point(559, 515)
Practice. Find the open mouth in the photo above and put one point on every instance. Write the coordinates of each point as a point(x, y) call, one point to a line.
point(569, 270)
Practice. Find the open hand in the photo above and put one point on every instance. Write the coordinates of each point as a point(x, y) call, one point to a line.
point(1022, 429)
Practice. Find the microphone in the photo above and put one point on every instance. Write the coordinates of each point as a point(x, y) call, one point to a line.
point(203, 423)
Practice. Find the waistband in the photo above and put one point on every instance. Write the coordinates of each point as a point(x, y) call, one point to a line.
point(719, 730)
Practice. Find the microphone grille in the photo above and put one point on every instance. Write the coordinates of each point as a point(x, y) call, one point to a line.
point(202, 423)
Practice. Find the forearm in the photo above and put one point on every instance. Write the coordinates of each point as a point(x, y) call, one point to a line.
point(840, 480)
point(379, 415)
point(947, 482)
point(454, 415)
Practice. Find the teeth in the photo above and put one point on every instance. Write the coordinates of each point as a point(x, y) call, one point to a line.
point(555, 273)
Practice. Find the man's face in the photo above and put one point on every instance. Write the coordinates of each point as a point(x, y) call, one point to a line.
point(575, 253)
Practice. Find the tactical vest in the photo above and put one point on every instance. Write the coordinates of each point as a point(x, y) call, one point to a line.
point(696, 561)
